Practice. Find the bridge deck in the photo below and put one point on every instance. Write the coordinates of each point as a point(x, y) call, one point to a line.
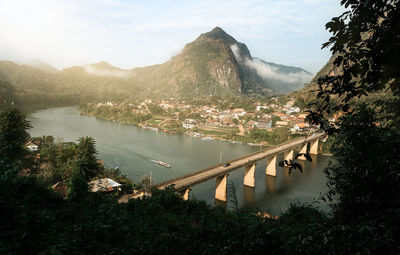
point(214, 171)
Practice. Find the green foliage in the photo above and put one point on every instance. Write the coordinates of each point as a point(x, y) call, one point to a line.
point(123, 115)
point(277, 136)
point(274, 120)
point(88, 154)
point(7, 94)
point(33, 88)
point(366, 57)
point(299, 102)
point(77, 183)
point(156, 110)
point(195, 116)
point(365, 180)
point(13, 136)
point(247, 104)
point(266, 110)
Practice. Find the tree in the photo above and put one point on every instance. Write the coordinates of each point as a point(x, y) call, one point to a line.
point(300, 103)
point(267, 110)
point(7, 94)
point(145, 182)
point(274, 120)
point(366, 48)
point(77, 182)
point(88, 154)
point(13, 136)
point(282, 134)
point(365, 181)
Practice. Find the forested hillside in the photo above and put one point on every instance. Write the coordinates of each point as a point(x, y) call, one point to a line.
point(214, 64)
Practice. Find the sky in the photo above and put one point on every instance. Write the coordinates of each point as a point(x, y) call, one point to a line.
point(133, 33)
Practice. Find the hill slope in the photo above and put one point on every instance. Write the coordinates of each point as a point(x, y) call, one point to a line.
point(213, 64)
point(206, 66)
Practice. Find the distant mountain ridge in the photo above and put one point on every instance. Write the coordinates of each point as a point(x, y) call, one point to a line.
point(36, 63)
point(105, 69)
point(283, 78)
point(213, 64)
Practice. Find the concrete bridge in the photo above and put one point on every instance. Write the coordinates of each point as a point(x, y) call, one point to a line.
point(184, 183)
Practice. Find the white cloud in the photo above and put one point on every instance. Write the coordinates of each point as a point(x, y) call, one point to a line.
point(132, 33)
point(270, 72)
point(236, 51)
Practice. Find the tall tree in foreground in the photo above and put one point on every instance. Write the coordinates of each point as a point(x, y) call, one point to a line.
point(13, 136)
point(366, 46)
point(77, 183)
point(365, 181)
point(87, 153)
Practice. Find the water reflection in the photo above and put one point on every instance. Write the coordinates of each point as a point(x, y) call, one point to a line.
point(248, 194)
point(270, 182)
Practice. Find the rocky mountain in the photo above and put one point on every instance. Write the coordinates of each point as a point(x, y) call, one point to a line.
point(217, 64)
point(213, 64)
point(206, 66)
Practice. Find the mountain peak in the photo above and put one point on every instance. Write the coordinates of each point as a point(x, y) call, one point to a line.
point(217, 30)
point(219, 34)
point(105, 69)
point(37, 63)
point(103, 65)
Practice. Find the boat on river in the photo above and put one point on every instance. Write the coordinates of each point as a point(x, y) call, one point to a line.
point(161, 163)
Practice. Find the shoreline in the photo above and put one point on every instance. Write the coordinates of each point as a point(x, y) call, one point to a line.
point(198, 135)
point(204, 137)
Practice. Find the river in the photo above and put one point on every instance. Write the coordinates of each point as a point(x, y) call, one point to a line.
point(131, 149)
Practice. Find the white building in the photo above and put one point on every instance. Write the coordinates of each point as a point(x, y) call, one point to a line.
point(105, 184)
point(259, 107)
point(189, 123)
point(293, 110)
point(31, 146)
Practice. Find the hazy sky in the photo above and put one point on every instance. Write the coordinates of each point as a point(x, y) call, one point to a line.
point(135, 33)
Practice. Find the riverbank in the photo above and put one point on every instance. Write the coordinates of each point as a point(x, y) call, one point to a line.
point(159, 124)
point(131, 149)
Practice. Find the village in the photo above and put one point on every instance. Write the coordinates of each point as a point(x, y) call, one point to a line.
point(256, 123)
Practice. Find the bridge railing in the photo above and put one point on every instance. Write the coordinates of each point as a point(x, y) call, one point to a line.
point(236, 159)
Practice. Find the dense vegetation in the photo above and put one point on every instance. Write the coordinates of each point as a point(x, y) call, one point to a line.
point(31, 88)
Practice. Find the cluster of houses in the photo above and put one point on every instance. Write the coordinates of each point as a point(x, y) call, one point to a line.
point(209, 117)
point(230, 119)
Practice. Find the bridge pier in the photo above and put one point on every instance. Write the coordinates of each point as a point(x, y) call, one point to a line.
point(288, 155)
point(249, 175)
point(314, 147)
point(303, 149)
point(220, 187)
point(271, 166)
